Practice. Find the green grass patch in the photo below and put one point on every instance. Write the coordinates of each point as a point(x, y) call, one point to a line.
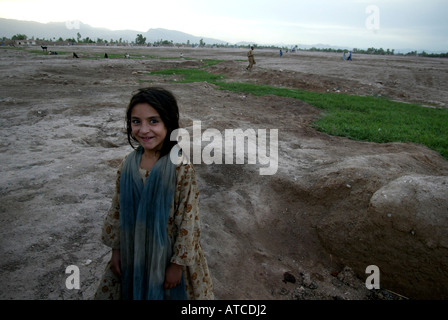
point(60, 53)
point(84, 55)
point(11, 48)
point(189, 75)
point(210, 62)
point(373, 119)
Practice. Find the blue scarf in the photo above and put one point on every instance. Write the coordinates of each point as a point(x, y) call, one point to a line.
point(145, 246)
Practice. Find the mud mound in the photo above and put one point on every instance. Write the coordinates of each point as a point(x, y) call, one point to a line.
point(399, 224)
point(398, 78)
point(288, 79)
point(402, 232)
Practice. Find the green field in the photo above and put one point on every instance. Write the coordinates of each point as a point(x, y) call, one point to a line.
point(374, 119)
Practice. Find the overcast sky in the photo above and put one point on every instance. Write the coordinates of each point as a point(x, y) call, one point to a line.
point(394, 24)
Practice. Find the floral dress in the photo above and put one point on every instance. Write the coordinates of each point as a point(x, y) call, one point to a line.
point(183, 228)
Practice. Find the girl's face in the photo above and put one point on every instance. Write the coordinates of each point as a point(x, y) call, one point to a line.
point(147, 127)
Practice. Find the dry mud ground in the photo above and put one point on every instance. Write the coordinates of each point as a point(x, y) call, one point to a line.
point(62, 138)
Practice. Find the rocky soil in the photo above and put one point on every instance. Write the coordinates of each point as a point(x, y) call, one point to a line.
point(334, 206)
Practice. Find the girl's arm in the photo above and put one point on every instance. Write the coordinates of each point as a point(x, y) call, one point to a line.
point(173, 275)
point(186, 218)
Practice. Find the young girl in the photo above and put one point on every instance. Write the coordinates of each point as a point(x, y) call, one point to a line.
point(153, 224)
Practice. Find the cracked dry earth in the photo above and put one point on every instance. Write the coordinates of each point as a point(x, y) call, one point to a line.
point(62, 123)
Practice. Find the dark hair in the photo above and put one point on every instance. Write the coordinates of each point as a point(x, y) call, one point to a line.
point(165, 104)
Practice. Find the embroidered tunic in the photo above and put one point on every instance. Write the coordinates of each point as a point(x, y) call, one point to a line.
point(183, 228)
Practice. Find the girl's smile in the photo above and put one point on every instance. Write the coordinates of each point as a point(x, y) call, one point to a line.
point(147, 127)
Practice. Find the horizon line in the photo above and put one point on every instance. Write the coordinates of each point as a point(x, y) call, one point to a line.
point(322, 45)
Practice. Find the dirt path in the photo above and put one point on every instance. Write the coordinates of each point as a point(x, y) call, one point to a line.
point(62, 138)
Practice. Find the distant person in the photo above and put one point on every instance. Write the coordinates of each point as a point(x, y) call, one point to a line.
point(281, 53)
point(349, 56)
point(251, 57)
point(344, 57)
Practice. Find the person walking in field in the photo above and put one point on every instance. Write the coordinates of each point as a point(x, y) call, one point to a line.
point(349, 58)
point(251, 57)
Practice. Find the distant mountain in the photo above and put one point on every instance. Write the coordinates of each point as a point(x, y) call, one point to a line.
point(70, 29)
point(65, 30)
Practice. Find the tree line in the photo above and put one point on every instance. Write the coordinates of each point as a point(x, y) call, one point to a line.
point(78, 39)
point(381, 51)
point(141, 41)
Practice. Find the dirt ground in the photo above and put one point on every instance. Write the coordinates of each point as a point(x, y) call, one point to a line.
point(62, 138)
